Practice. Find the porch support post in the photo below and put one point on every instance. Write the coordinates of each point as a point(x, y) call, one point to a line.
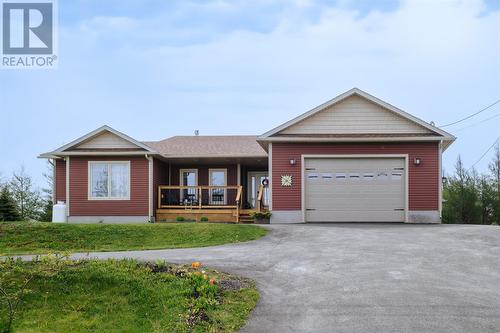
point(238, 173)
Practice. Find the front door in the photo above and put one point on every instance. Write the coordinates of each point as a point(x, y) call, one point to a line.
point(255, 179)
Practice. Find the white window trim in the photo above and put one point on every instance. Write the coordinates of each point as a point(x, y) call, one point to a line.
point(210, 182)
point(108, 198)
point(181, 181)
point(181, 172)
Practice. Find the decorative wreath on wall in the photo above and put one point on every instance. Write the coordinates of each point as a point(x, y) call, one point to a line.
point(286, 180)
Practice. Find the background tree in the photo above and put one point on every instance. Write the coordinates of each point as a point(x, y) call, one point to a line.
point(461, 197)
point(494, 168)
point(8, 209)
point(48, 191)
point(28, 200)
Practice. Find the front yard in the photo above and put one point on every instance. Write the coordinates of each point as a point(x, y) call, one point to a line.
point(127, 296)
point(36, 238)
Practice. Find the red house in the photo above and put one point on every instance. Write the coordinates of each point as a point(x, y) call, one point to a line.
point(354, 158)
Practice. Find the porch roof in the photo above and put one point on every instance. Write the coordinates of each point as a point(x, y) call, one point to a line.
point(209, 146)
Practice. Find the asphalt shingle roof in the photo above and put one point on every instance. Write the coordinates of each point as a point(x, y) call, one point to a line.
point(209, 146)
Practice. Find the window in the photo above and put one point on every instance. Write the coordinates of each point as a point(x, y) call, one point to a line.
point(327, 176)
point(396, 175)
point(218, 177)
point(109, 180)
point(354, 176)
point(340, 175)
point(368, 176)
point(189, 177)
point(312, 175)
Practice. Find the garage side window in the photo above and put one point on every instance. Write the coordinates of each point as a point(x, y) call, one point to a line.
point(340, 175)
point(368, 176)
point(109, 180)
point(396, 175)
point(327, 176)
point(312, 175)
point(354, 176)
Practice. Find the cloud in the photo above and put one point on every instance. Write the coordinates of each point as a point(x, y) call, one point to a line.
point(244, 67)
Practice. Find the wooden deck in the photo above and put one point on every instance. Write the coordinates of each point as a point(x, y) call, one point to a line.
point(196, 202)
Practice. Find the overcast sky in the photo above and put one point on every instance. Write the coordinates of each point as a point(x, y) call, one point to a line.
point(153, 69)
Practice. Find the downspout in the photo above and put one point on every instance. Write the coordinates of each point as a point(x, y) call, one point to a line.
point(150, 188)
point(440, 180)
point(52, 162)
point(67, 158)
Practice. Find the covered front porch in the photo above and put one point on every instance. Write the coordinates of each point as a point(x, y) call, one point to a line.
point(211, 189)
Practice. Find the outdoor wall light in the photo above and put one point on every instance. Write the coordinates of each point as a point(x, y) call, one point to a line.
point(292, 161)
point(417, 161)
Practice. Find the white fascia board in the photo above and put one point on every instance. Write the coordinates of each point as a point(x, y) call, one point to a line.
point(354, 139)
point(97, 132)
point(373, 99)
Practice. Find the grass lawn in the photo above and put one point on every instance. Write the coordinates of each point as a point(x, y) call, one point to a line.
point(39, 237)
point(127, 296)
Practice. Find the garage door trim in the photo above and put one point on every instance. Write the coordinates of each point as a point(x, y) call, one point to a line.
point(350, 156)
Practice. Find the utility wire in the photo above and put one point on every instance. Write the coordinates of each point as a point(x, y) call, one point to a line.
point(486, 152)
point(478, 123)
point(472, 115)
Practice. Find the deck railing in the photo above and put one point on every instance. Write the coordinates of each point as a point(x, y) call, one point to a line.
point(199, 197)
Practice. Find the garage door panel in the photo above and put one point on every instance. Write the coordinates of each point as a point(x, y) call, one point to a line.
point(355, 216)
point(355, 189)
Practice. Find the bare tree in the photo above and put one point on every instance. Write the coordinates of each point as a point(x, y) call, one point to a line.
point(28, 199)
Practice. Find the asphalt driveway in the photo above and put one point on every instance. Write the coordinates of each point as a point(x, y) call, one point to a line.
point(363, 277)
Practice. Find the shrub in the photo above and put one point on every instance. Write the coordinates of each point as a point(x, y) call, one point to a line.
point(204, 219)
point(261, 215)
point(180, 219)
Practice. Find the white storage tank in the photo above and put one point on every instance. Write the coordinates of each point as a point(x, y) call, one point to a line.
point(59, 212)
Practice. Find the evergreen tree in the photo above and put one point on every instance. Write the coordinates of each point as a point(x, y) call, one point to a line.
point(8, 210)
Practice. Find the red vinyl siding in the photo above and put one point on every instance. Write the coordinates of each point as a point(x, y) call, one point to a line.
point(60, 180)
point(423, 180)
point(78, 186)
point(160, 177)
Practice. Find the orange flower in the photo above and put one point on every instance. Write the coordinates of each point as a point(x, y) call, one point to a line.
point(212, 281)
point(196, 264)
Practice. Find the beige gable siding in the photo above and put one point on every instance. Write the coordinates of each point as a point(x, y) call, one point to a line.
point(355, 115)
point(107, 140)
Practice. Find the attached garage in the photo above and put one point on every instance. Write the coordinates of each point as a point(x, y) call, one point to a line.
point(355, 158)
point(354, 188)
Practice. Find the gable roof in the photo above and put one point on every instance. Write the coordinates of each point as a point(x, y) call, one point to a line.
point(81, 145)
point(209, 146)
point(434, 132)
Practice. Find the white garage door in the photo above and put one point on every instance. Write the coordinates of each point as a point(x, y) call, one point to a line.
point(354, 189)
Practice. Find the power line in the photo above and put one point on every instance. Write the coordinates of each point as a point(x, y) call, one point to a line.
point(486, 152)
point(480, 122)
point(472, 115)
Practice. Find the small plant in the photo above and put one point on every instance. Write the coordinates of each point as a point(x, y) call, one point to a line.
point(261, 215)
point(161, 263)
point(204, 219)
point(494, 223)
point(16, 277)
point(180, 219)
